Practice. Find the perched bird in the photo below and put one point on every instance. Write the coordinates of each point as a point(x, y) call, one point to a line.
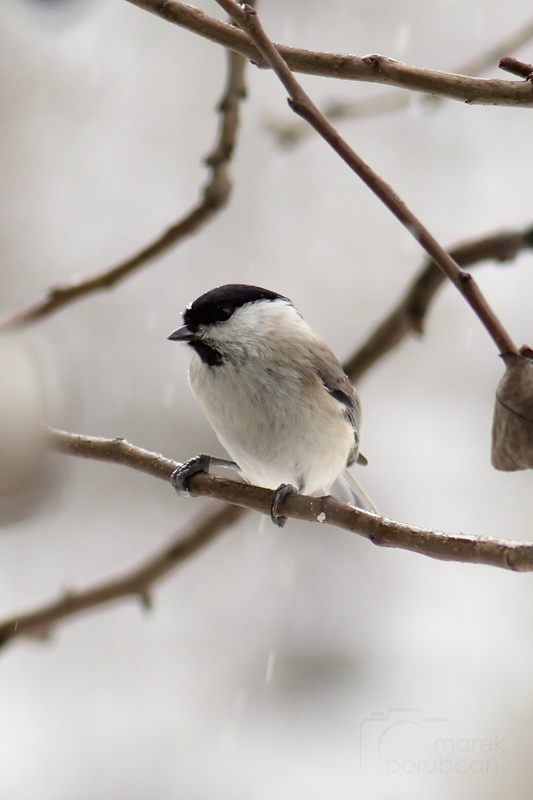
point(274, 393)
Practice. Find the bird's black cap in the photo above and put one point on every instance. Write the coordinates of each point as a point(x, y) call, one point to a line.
point(217, 305)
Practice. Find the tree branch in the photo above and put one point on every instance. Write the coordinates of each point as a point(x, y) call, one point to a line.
point(137, 582)
point(214, 198)
point(409, 314)
point(290, 132)
point(369, 69)
point(382, 532)
point(246, 17)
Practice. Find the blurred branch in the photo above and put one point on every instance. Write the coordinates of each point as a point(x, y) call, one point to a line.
point(410, 313)
point(369, 69)
point(290, 132)
point(382, 532)
point(138, 582)
point(246, 17)
point(214, 197)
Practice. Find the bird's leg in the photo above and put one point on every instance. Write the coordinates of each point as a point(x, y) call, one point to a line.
point(202, 463)
point(278, 496)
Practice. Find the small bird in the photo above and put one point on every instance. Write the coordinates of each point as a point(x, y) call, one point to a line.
point(274, 393)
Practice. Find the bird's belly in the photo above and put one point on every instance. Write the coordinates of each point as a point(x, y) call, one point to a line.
point(272, 442)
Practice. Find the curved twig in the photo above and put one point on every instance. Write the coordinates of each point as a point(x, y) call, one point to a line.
point(214, 198)
point(382, 532)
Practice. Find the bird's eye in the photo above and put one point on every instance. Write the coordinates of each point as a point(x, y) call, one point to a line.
point(224, 313)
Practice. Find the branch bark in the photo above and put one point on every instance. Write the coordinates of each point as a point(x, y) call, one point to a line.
point(378, 530)
point(369, 69)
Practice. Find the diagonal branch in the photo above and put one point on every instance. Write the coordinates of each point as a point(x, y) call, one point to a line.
point(369, 69)
point(246, 17)
point(378, 530)
point(409, 315)
point(137, 582)
point(214, 198)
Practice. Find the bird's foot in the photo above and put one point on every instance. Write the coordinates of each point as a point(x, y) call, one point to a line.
point(182, 475)
point(278, 496)
point(202, 463)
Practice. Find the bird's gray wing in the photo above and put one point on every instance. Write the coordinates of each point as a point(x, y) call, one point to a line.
point(338, 385)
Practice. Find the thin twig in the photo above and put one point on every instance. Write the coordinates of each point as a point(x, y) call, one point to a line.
point(408, 316)
point(376, 69)
point(137, 582)
point(289, 132)
point(214, 198)
point(246, 17)
point(383, 532)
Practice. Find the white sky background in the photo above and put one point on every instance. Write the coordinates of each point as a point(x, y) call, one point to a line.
point(263, 656)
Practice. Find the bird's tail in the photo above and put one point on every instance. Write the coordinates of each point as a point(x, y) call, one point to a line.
point(358, 497)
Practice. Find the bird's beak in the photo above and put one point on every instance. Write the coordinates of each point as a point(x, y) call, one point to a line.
point(182, 334)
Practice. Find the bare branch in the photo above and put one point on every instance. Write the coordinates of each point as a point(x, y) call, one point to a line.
point(138, 582)
point(409, 314)
point(382, 532)
point(214, 198)
point(291, 132)
point(113, 451)
point(373, 69)
point(246, 17)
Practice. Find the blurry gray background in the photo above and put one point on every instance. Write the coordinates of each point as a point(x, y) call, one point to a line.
point(257, 673)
